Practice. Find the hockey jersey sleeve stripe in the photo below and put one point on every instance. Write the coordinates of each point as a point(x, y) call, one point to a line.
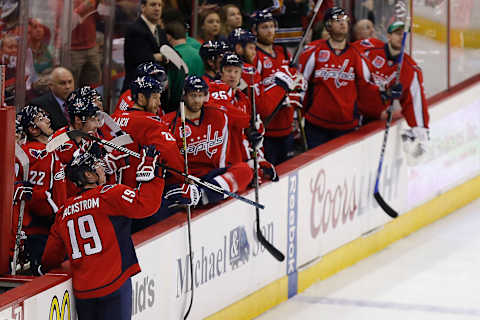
point(309, 67)
point(223, 155)
point(51, 202)
point(415, 91)
point(366, 71)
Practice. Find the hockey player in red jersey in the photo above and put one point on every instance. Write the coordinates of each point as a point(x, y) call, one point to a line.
point(207, 131)
point(272, 63)
point(243, 138)
point(93, 230)
point(335, 72)
point(83, 112)
point(46, 180)
point(145, 127)
point(151, 69)
point(384, 60)
point(212, 53)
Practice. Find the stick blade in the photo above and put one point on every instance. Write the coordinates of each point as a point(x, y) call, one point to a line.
point(56, 142)
point(388, 210)
point(270, 248)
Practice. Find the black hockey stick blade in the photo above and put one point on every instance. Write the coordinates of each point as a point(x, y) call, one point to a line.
point(270, 248)
point(388, 210)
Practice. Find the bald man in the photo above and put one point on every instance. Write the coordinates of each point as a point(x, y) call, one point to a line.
point(364, 29)
point(61, 84)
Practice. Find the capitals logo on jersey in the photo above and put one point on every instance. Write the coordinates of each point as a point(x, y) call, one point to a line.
point(38, 154)
point(338, 74)
point(207, 144)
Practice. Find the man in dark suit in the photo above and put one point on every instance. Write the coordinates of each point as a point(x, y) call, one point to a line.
point(61, 84)
point(143, 39)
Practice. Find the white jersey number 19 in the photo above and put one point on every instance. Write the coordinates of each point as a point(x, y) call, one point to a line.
point(90, 234)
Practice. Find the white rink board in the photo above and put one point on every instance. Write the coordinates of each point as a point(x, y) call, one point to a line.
point(311, 211)
point(222, 265)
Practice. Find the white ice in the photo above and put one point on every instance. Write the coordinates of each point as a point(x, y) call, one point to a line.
point(430, 275)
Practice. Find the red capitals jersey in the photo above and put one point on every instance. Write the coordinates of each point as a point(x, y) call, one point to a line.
point(334, 82)
point(125, 101)
point(271, 95)
point(223, 95)
point(147, 129)
point(384, 67)
point(94, 229)
point(207, 139)
point(49, 188)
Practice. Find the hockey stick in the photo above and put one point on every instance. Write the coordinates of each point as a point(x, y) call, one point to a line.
point(310, 24)
point(189, 211)
point(292, 63)
point(23, 158)
point(77, 133)
point(270, 248)
point(376, 193)
point(172, 56)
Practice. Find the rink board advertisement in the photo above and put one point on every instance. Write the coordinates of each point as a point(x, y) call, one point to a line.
point(56, 303)
point(309, 213)
point(227, 260)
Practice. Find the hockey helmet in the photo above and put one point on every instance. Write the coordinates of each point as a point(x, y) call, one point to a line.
point(83, 161)
point(153, 70)
point(231, 60)
point(26, 117)
point(210, 50)
point(145, 85)
point(334, 13)
point(261, 16)
point(241, 36)
point(82, 107)
point(195, 84)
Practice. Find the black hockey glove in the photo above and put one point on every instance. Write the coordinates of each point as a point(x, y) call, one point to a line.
point(392, 93)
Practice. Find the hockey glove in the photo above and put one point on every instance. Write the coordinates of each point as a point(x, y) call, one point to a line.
point(147, 170)
point(415, 142)
point(393, 92)
point(254, 137)
point(284, 80)
point(266, 170)
point(23, 191)
point(183, 195)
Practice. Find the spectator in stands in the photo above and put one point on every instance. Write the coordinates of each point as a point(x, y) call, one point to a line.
point(85, 60)
point(61, 84)
point(209, 25)
point(38, 40)
point(143, 39)
point(176, 35)
point(171, 14)
point(364, 29)
point(231, 18)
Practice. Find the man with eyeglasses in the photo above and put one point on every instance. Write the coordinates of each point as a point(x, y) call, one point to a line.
point(335, 72)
